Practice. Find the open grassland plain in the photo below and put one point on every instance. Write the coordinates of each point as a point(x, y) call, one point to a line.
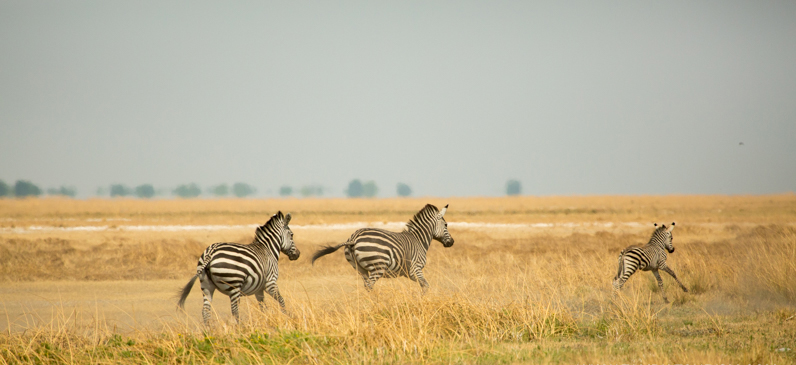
point(527, 281)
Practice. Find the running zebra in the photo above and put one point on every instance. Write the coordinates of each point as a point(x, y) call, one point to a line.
point(237, 270)
point(376, 252)
point(650, 257)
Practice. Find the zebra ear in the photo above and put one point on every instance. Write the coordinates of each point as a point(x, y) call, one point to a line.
point(442, 212)
point(671, 227)
point(287, 219)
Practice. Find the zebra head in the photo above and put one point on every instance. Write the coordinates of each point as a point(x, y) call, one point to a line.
point(288, 246)
point(663, 236)
point(441, 233)
point(277, 236)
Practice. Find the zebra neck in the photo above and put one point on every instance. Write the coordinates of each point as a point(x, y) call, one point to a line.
point(422, 235)
point(658, 244)
point(267, 247)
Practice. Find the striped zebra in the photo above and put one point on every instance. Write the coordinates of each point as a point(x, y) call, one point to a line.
point(237, 270)
point(376, 252)
point(651, 257)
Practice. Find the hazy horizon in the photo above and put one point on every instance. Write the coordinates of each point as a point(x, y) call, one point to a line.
point(451, 98)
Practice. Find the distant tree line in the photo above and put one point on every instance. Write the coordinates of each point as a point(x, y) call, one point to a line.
point(403, 190)
point(306, 191)
point(239, 189)
point(63, 191)
point(187, 191)
point(356, 189)
point(25, 188)
point(191, 190)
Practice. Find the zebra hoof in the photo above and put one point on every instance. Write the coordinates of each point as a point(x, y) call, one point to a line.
point(685, 289)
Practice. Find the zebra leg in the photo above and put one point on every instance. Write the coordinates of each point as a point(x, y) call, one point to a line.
point(660, 285)
point(273, 290)
point(261, 299)
point(208, 288)
point(618, 283)
point(620, 278)
point(234, 298)
point(623, 274)
point(671, 272)
point(420, 279)
point(373, 276)
point(349, 256)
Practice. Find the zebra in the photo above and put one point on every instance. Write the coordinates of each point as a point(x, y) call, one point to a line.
point(376, 252)
point(651, 257)
point(237, 269)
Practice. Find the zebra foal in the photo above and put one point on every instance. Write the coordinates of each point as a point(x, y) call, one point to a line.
point(375, 252)
point(651, 257)
point(237, 270)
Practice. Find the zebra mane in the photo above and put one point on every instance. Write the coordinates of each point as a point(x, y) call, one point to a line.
point(415, 221)
point(659, 233)
point(274, 223)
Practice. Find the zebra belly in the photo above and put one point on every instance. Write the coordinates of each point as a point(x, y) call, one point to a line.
point(229, 280)
point(373, 258)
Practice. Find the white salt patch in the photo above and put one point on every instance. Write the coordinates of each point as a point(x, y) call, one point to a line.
point(178, 228)
point(353, 226)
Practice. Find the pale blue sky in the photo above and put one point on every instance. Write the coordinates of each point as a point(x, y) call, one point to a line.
point(452, 98)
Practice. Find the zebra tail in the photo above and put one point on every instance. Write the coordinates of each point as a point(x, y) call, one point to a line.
point(200, 269)
point(326, 250)
point(186, 290)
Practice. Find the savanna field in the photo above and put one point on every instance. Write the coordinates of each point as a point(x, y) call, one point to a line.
point(528, 280)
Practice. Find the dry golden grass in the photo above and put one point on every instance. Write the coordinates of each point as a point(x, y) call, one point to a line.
point(511, 294)
point(775, 209)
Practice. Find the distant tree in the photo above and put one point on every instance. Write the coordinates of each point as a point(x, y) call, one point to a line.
point(311, 190)
point(242, 190)
point(26, 188)
point(145, 191)
point(69, 191)
point(5, 190)
point(187, 191)
point(220, 190)
point(513, 187)
point(120, 190)
point(63, 190)
point(354, 189)
point(404, 190)
point(285, 191)
point(369, 189)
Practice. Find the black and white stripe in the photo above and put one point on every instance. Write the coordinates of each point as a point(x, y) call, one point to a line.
point(375, 253)
point(651, 257)
point(237, 270)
